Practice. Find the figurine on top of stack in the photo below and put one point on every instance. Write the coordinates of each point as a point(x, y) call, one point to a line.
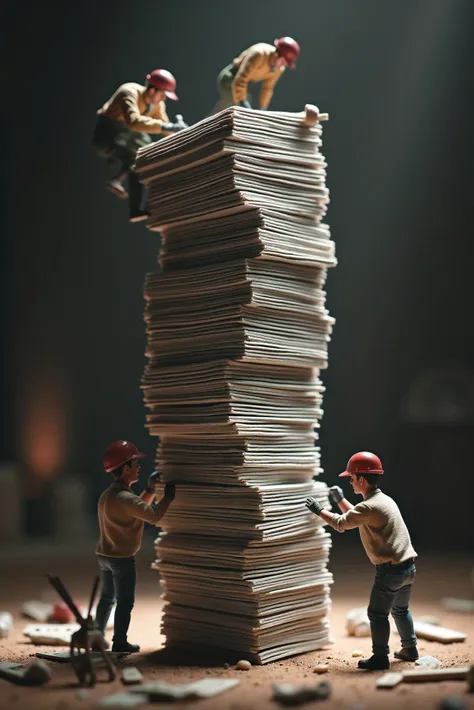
point(126, 123)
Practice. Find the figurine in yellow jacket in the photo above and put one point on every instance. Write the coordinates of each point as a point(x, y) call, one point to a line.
point(124, 124)
point(259, 63)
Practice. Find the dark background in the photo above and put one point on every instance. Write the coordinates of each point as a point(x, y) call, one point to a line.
point(394, 77)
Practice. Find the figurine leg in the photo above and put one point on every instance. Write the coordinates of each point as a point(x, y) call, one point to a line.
point(107, 596)
point(224, 87)
point(112, 671)
point(90, 670)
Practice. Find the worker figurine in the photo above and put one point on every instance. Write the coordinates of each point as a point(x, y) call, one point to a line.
point(126, 122)
point(386, 540)
point(121, 516)
point(259, 63)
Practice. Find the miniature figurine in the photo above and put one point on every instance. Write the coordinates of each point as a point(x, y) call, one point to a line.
point(259, 63)
point(386, 540)
point(124, 125)
point(121, 516)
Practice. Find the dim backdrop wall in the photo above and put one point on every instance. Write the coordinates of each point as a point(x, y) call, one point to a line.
point(394, 77)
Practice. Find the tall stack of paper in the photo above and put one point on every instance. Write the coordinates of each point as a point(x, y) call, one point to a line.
point(237, 334)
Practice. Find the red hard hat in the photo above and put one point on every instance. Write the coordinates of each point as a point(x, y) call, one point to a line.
point(163, 80)
point(289, 49)
point(363, 462)
point(119, 453)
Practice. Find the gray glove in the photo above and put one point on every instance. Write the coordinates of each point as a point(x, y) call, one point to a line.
point(179, 119)
point(173, 127)
point(313, 506)
point(245, 103)
point(336, 493)
point(170, 491)
point(153, 479)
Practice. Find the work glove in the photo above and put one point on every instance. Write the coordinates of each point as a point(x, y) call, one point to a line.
point(313, 506)
point(179, 119)
point(245, 103)
point(153, 479)
point(170, 491)
point(336, 493)
point(173, 127)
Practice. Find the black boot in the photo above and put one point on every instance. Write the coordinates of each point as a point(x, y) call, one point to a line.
point(407, 654)
point(374, 663)
point(125, 647)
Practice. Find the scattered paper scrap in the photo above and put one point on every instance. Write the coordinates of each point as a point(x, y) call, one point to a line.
point(122, 700)
point(50, 634)
point(6, 623)
point(389, 680)
point(455, 604)
point(204, 688)
point(438, 633)
point(36, 610)
point(428, 662)
point(289, 694)
point(357, 622)
point(131, 675)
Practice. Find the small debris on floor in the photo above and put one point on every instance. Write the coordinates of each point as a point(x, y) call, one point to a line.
point(357, 652)
point(452, 704)
point(389, 680)
point(82, 694)
point(456, 604)
point(226, 666)
point(357, 622)
point(131, 675)
point(204, 688)
point(36, 610)
point(122, 700)
point(321, 668)
point(289, 694)
point(428, 662)
point(61, 614)
point(37, 673)
point(243, 665)
point(6, 623)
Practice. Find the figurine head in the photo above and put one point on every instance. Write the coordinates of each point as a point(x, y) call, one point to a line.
point(161, 85)
point(364, 483)
point(364, 470)
point(128, 473)
point(287, 52)
point(121, 459)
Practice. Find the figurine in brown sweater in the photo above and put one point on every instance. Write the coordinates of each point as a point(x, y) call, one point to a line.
point(387, 543)
point(126, 122)
point(122, 516)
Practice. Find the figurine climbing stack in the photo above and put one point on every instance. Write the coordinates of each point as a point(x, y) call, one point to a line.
point(237, 334)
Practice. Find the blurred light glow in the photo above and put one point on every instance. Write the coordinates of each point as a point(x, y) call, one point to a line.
point(44, 429)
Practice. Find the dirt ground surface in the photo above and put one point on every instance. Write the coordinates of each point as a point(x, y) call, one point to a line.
point(22, 578)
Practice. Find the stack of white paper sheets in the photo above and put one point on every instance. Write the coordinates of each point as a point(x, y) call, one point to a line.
point(237, 333)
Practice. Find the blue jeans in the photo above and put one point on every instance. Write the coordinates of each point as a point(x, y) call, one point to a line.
point(118, 578)
point(391, 593)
